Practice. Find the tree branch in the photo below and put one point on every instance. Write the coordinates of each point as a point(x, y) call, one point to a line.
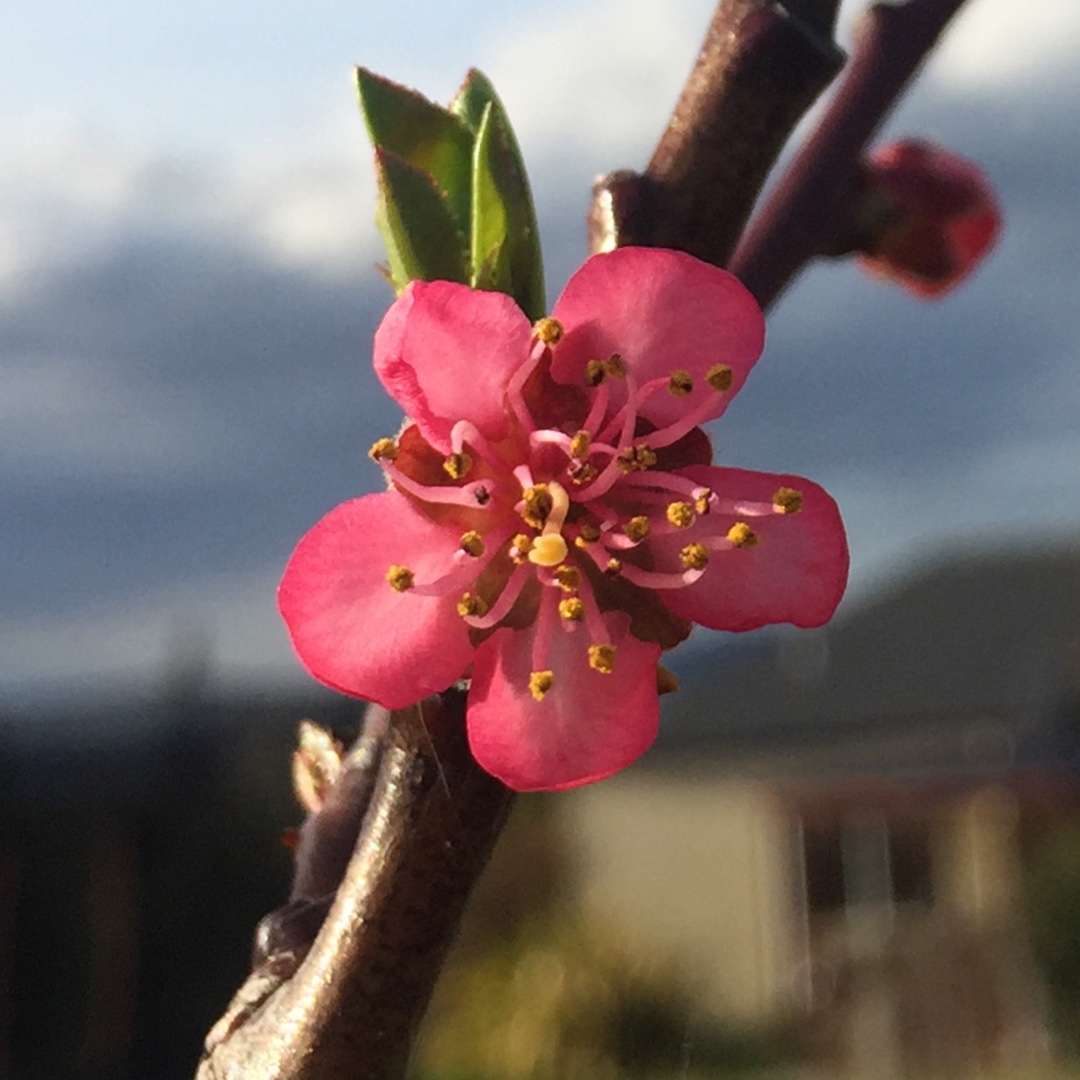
point(811, 211)
point(760, 67)
point(353, 1005)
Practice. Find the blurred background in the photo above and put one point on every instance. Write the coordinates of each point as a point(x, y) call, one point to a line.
point(187, 297)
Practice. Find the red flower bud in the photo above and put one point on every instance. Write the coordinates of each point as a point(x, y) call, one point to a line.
point(928, 216)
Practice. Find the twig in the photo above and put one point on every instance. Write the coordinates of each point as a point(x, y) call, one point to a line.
point(760, 67)
point(811, 210)
point(352, 1006)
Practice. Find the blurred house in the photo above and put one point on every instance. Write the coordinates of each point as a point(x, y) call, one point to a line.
point(834, 828)
point(832, 833)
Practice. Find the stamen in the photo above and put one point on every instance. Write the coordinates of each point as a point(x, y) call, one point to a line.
point(549, 331)
point(680, 384)
point(516, 386)
point(470, 495)
point(470, 605)
point(580, 444)
point(400, 578)
point(594, 372)
point(505, 601)
point(614, 567)
point(602, 658)
point(465, 432)
point(650, 579)
point(720, 377)
point(472, 543)
point(538, 505)
point(383, 450)
point(598, 409)
point(572, 609)
point(457, 465)
point(587, 533)
point(666, 681)
point(615, 367)
point(703, 498)
point(742, 536)
point(636, 458)
point(788, 500)
point(520, 546)
point(680, 514)
point(568, 577)
point(540, 682)
point(637, 528)
point(581, 472)
point(694, 557)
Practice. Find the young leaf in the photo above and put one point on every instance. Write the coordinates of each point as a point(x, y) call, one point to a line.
point(421, 133)
point(421, 236)
point(472, 98)
point(504, 239)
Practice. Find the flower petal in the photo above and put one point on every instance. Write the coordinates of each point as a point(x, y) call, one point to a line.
point(588, 725)
point(446, 352)
point(661, 311)
point(795, 573)
point(353, 631)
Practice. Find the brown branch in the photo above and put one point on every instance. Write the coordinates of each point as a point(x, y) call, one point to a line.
point(761, 65)
point(353, 1005)
point(810, 212)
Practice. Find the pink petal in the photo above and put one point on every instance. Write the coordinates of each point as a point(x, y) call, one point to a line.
point(588, 725)
point(796, 573)
point(353, 631)
point(661, 311)
point(446, 352)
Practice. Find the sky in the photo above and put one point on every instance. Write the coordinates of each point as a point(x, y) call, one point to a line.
point(188, 294)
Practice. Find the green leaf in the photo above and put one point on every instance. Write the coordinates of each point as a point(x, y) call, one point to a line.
point(426, 136)
point(474, 96)
point(504, 239)
point(421, 235)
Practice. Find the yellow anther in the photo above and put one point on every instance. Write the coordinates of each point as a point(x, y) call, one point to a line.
point(680, 384)
point(594, 373)
point(637, 458)
point(680, 514)
point(694, 557)
point(549, 331)
point(613, 567)
point(581, 472)
point(572, 609)
point(602, 658)
point(400, 578)
point(383, 450)
point(666, 681)
point(719, 377)
point(538, 505)
point(520, 546)
point(472, 543)
point(637, 528)
point(615, 366)
point(548, 550)
point(788, 500)
point(456, 465)
point(540, 682)
point(568, 577)
point(702, 504)
point(471, 605)
point(581, 444)
point(741, 535)
point(588, 533)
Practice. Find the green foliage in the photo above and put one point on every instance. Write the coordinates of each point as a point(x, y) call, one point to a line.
point(454, 200)
point(1053, 900)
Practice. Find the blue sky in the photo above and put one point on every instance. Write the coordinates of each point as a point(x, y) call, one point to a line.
point(187, 297)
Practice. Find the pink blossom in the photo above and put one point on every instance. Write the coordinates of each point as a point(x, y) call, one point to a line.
point(553, 520)
point(935, 216)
